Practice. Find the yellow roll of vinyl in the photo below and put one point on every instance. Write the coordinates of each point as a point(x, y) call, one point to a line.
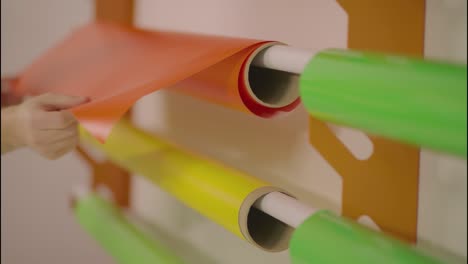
point(221, 194)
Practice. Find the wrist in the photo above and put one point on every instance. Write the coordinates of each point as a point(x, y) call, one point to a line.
point(11, 135)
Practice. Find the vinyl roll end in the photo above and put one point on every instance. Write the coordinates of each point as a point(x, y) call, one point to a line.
point(261, 229)
point(268, 90)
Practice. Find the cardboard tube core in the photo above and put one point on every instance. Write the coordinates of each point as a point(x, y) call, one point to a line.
point(268, 87)
point(261, 229)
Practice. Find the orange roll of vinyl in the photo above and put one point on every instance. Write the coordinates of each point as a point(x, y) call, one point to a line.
point(115, 66)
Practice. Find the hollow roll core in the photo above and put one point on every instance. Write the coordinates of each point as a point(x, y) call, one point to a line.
point(269, 87)
point(261, 229)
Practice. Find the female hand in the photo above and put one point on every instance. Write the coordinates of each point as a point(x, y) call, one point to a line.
point(43, 124)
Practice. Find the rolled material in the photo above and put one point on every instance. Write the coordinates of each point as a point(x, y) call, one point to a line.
point(123, 241)
point(224, 195)
point(115, 66)
point(326, 238)
point(414, 101)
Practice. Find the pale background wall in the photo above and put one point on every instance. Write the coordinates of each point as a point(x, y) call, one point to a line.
point(37, 225)
point(443, 191)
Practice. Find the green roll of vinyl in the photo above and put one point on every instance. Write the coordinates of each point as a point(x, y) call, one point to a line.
point(326, 238)
point(125, 243)
point(411, 100)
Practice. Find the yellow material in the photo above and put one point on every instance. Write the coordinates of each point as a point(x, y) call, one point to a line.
point(221, 194)
point(141, 143)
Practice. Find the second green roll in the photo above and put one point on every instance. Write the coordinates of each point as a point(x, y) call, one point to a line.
point(411, 100)
point(327, 239)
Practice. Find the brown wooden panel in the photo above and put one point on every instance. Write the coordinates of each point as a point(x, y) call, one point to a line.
point(106, 173)
point(115, 11)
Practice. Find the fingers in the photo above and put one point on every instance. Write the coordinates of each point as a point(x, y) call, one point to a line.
point(56, 102)
point(59, 147)
point(47, 137)
point(55, 135)
point(64, 146)
point(57, 151)
point(54, 120)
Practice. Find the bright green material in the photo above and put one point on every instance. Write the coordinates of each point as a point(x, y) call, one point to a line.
point(410, 100)
point(125, 243)
point(328, 239)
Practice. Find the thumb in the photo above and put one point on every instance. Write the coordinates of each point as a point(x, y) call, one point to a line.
point(56, 102)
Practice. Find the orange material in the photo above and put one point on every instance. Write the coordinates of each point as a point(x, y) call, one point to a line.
point(384, 187)
point(115, 66)
point(106, 173)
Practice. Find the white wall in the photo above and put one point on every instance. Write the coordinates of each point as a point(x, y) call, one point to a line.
point(37, 223)
point(443, 181)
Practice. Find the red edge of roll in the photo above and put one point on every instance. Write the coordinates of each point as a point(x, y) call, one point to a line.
point(253, 105)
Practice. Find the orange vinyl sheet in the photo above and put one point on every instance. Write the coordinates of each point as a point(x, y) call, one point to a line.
point(115, 66)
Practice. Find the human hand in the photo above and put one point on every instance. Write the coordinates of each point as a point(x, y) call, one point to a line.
point(43, 124)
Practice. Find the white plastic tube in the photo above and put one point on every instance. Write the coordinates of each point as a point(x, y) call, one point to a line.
point(284, 58)
point(284, 208)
